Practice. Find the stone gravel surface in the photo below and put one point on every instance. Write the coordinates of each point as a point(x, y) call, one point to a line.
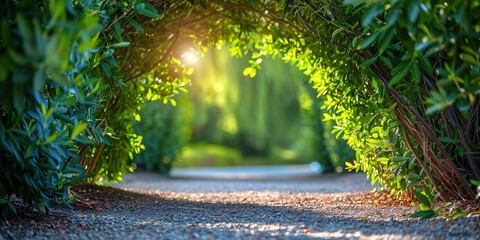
point(148, 206)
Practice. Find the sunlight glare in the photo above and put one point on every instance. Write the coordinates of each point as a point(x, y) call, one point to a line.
point(190, 57)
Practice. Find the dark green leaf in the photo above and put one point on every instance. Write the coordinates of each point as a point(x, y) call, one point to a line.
point(422, 198)
point(369, 62)
point(448, 140)
point(401, 159)
point(372, 12)
point(385, 40)
point(415, 71)
point(386, 61)
point(426, 65)
point(147, 10)
point(136, 25)
point(369, 40)
point(121, 44)
point(399, 76)
point(425, 214)
point(38, 80)
point(413, 9)
point(117, 33)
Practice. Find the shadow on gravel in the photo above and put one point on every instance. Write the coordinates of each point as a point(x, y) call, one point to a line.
point(108, 213)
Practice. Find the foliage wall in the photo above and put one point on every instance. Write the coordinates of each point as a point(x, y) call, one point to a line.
point(418, 83)
point(66, 105)
point(46, 99)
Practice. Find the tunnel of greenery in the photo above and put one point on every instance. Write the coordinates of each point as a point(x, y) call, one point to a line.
point(399, 81)
point(232, 119)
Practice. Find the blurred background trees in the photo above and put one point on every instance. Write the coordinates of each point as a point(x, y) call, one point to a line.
point(270, 117)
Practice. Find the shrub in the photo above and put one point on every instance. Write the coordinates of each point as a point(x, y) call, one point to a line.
point(165, 130)
point(45, 99)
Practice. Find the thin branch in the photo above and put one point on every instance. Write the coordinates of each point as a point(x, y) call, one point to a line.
point(312, 29)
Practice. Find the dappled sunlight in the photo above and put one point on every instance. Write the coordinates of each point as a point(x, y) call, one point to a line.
point(263, 215)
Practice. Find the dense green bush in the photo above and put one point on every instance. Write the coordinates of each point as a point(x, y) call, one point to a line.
point(402, 86)
point(60, 70)
point(45, 100)
point(165, 130)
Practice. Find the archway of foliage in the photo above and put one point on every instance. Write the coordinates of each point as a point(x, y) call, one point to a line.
point(350, 51)
point(400, 78)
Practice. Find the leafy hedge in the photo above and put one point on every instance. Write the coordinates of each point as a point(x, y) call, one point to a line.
point(60, 70)
point(405, 90)
point(45, 101)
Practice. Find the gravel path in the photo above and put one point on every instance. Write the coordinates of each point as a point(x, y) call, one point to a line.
point(148, 206)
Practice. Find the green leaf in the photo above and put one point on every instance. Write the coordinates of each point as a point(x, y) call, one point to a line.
point(385, 40)
point(424, 214)
point(448, 140)
point(78, 129)
point(369, 62)
point(117, 31)
point(401, 159)
point(373, 11)
point(399, 76)
point(337, 31)
point(121, 44)
point(433, 108)
point(386, 61)
point(51, 138)
point(415, 71)
point(147, 10)
point(6, 33)
point(422, 198)
point(426, 65)
point(249, 71)
point(25, 31)
point(173, 102)
point(457, 212)
point(413, 183)
point(412, 176)
point(100, 135)
point(468, 58)
point(136, 25)
point(413, 9)
point(253, 3)
point(84, 140)
point(369, 40)
point(38, 80)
